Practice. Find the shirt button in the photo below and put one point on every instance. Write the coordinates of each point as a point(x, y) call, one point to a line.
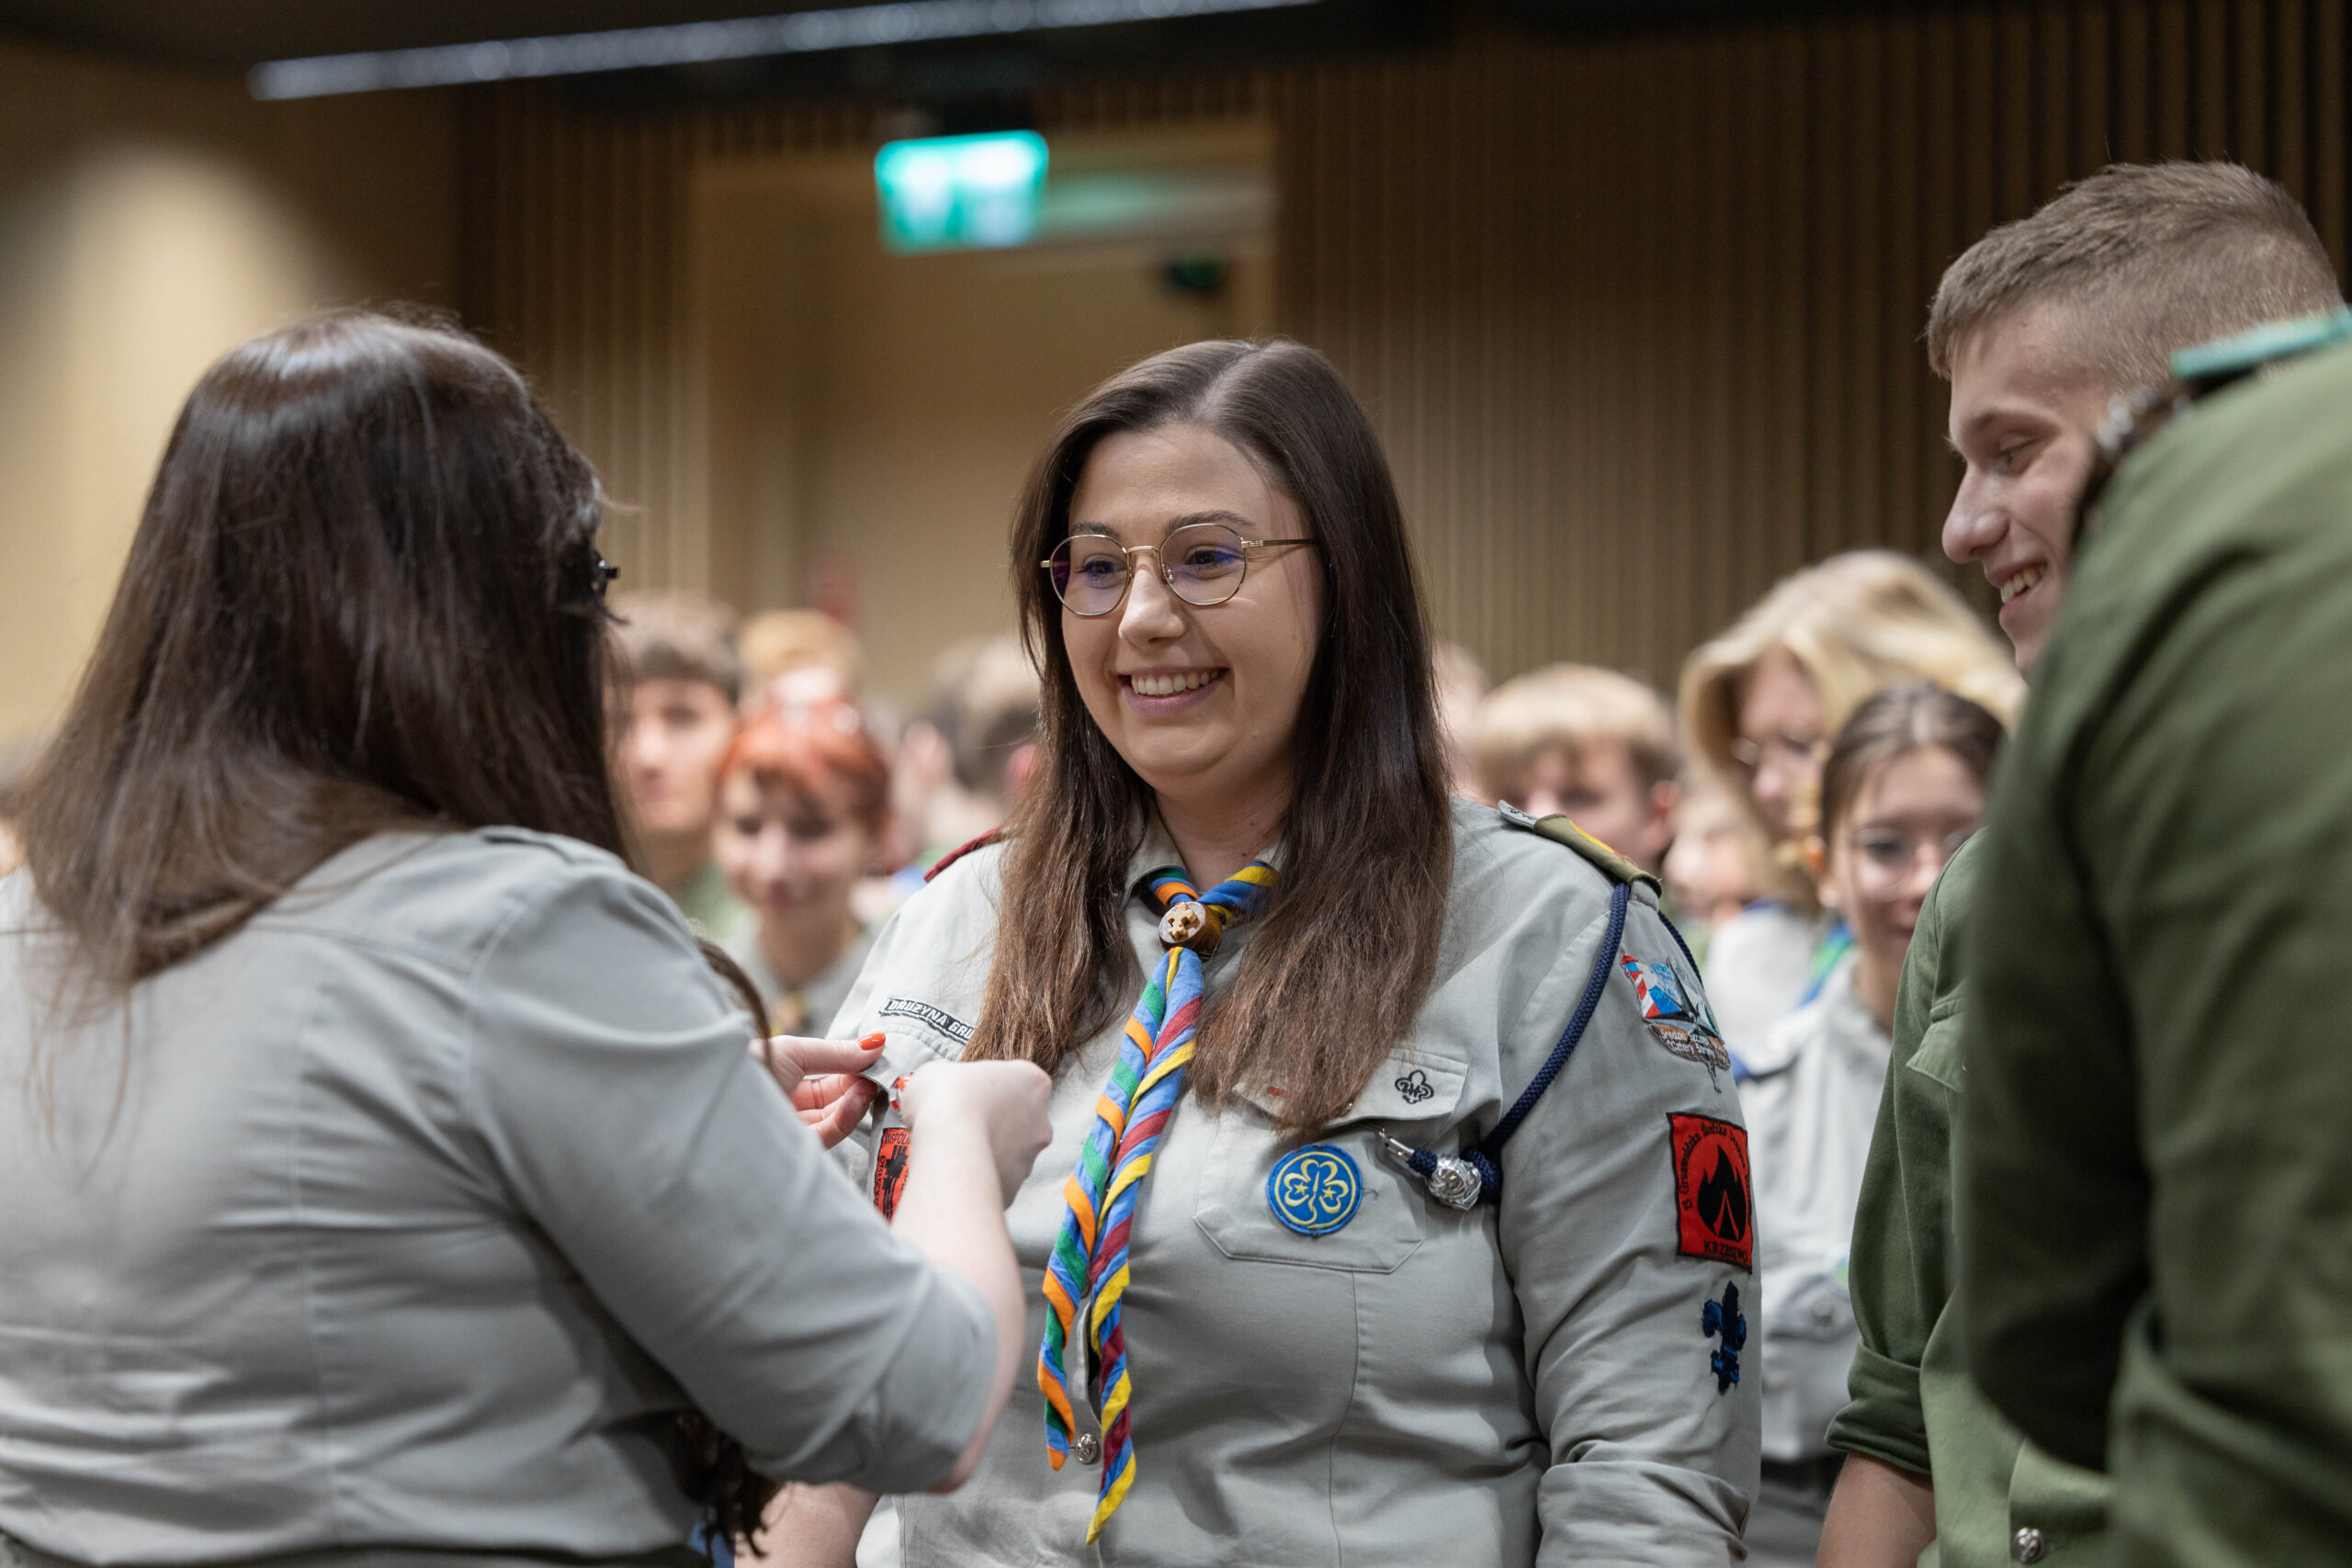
point(1089, 1448)
point(2027, 1546)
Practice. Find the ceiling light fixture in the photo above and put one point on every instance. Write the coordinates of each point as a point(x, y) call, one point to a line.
point(695, 43)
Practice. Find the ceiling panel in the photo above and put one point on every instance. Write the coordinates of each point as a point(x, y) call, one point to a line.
point(234, 34)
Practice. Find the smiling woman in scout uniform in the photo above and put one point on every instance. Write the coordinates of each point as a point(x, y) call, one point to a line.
point(1902, 784)
point(1397, 1208)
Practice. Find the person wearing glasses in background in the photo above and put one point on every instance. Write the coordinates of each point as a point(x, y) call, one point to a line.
point(1902, 786)
point(1760, 705)
point(1288, 990)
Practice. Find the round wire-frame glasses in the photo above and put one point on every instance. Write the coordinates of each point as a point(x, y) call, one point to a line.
point(1201, 563)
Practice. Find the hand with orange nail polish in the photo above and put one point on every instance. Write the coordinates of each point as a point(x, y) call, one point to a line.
point(824, 1079)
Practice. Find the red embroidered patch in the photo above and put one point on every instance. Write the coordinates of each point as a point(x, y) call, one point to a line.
point(1714, 1197)
point(889, 1170)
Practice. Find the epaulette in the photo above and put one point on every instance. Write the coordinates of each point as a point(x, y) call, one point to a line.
point(1560, 830)
point(2212, 365)
point(960, 850)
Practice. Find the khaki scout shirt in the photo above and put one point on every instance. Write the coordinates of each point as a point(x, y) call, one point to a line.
point(2155, 1223)
point(1511, 1386)
point(400, 1224)
point(1998, 1498)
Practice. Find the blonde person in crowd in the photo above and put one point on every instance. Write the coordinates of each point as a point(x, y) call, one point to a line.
point(1461, 686)
point(1759, 704)
point(680, 680)
point(388, 1178)
point(1324, 1267)
point(799, 656)
point(1589, 744)
point(1902, 786)
point(804, 796)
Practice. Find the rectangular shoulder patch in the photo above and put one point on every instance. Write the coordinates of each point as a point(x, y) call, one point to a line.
point(1714, 1205)
point(947, 1023)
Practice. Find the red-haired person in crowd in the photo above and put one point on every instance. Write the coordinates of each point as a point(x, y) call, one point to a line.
point(804, 800)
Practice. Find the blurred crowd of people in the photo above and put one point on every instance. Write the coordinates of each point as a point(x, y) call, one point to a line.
point(392, 948)
point(788, 815)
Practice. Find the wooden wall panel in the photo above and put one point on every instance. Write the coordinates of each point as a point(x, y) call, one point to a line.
point(1639, 316)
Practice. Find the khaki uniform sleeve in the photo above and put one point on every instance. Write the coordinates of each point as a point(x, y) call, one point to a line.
point(1655, 1459)
point(614, 1100)
point(1899, 1275)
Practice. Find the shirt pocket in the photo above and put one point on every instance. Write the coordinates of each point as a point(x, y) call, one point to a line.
point(1240, 1206)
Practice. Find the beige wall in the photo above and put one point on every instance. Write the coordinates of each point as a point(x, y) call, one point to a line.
point(148, 222)
point(871, 417)
point(702, 298)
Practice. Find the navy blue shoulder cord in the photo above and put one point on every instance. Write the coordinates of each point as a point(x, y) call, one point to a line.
point(1476, 1176)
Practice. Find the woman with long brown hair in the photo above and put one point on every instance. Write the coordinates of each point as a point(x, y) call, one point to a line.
point(387, 1177)
point(1321, 1268)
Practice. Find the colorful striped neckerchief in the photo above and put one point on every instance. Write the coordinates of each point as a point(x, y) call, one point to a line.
point(1090, 1256)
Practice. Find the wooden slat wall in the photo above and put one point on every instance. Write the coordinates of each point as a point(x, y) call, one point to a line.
point(1639, 316)
point(575, 234)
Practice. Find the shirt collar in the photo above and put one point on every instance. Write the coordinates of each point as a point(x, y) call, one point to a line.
point(1158, 850)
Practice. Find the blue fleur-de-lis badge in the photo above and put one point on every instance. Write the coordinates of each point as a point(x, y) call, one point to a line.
point(1724, 1319)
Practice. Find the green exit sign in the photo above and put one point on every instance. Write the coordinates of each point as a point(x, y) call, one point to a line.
point(950, 193)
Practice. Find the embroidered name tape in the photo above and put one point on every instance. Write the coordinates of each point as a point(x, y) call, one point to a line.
point(947, 1023)
point(1713, 1204)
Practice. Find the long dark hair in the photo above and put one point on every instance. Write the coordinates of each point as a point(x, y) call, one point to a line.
point(364, 595)
point(1345, 951)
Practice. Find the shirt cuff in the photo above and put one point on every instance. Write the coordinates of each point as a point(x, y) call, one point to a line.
point(1883, 1419)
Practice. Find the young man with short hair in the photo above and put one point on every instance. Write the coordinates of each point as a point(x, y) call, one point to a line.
point(678, 680)
point(1590, 744)
point(2155, 1229)
point(2039, 327)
